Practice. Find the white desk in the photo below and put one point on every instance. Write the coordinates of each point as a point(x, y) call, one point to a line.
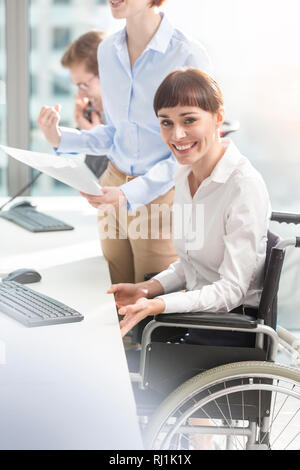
point(20, 248)
point(64, 386)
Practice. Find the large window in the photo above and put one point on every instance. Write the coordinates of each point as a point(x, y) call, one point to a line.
point(3, 158)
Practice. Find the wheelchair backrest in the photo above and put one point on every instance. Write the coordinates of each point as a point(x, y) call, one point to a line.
point(267, 309)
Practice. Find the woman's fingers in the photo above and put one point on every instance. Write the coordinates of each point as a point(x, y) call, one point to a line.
point(122, 293)
point(127, 325)
point(141, 306)
point(130, 309)
point(135, 313)
point(93, 199)
point(114, 288)
point(112, 197)
point(130, 321)
point(48, 116)
point(98, 202)
point(43, 112)
point(53, 120)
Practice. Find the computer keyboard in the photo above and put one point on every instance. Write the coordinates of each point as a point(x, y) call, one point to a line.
point(33, 220)
point(32, 308)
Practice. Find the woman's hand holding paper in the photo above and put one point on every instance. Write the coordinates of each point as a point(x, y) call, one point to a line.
point(112, 198)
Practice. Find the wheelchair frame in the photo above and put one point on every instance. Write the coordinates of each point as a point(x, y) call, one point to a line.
point(280, 339)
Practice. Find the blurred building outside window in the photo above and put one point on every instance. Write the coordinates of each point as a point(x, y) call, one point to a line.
point(3, 111)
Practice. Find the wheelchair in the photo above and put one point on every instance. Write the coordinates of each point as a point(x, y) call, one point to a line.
point(237, 395)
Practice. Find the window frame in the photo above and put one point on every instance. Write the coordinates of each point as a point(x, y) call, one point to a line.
point(17, 89)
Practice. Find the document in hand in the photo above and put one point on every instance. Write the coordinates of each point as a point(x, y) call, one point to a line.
point(68, 170)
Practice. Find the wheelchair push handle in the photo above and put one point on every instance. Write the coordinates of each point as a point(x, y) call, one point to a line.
point(288, 242)
point(285, 217)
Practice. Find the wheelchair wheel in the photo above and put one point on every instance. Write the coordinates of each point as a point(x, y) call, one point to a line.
point(245, 405)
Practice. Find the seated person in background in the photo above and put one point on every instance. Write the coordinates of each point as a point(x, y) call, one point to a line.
point(81, 60)
point(220, 198)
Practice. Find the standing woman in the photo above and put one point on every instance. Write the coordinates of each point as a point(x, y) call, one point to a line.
point(132, 64)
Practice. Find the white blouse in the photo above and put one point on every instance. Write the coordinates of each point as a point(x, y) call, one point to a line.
point(220, 236)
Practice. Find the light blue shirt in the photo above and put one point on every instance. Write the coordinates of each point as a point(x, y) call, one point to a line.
point(131, 137)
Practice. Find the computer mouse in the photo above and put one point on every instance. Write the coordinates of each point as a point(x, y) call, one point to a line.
point(22, 204)
point(23, 276)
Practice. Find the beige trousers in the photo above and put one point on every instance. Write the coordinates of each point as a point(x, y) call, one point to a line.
point(129, 255)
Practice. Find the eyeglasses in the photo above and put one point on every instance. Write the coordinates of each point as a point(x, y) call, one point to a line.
point(85, 85)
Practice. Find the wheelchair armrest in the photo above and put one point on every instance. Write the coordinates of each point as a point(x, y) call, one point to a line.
point(286, 217)
point(234, 320)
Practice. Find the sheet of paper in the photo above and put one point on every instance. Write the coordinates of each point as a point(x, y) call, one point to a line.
point(65, 169)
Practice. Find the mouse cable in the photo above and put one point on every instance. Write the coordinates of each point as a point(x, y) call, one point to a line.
point(21, 191)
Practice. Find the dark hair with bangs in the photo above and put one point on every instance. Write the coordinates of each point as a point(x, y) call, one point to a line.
point(156, 3)
point(188, 87)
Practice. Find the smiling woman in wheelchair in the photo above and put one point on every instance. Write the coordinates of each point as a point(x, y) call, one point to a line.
point(221, 268)
point(219, 386)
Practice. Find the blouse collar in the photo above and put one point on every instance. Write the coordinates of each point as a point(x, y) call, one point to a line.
point(222, 171)
point(160, 40)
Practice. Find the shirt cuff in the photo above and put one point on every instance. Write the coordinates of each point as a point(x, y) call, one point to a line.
point(174, 303)
point(70, 140)
point(169, 281)
point(139, 193)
